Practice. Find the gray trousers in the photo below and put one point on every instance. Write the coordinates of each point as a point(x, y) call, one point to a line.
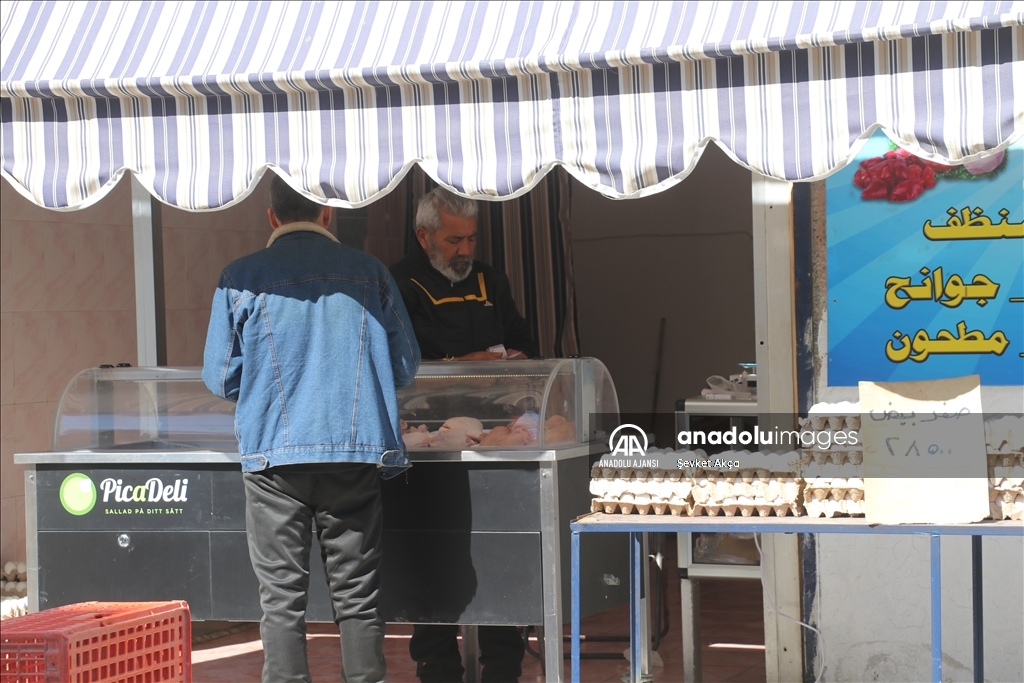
point(281, 505)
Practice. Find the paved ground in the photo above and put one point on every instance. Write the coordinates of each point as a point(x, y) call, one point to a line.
point(732, 643)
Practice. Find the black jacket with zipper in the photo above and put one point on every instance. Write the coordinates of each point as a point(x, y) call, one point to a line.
point(453, 319)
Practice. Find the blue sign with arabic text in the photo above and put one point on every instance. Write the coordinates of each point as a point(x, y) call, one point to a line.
point(925, 268)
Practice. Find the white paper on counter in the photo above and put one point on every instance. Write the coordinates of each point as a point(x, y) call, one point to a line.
point(924, 452)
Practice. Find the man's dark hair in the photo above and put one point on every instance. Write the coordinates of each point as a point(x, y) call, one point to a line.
point(289, 206)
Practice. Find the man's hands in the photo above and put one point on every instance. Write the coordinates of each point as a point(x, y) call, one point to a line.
point(493, 355)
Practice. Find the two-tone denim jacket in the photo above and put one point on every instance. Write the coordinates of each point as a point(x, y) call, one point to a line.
point(311, 339)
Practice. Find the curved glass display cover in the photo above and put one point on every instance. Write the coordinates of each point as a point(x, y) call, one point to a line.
point(495, 405)
point(147, 409)
point(505, 404)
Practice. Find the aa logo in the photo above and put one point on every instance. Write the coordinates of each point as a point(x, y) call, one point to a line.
point(77, 494)
point(626, 440)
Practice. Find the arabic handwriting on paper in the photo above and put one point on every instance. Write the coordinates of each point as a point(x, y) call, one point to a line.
point(951, 293)
point(973, 225)
point(901, 347)
point(931, 445)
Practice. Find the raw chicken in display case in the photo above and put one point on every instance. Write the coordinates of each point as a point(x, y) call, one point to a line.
point(506, 405)
point(451, 406)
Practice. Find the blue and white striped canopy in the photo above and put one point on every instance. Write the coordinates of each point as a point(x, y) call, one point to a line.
point(198, 98)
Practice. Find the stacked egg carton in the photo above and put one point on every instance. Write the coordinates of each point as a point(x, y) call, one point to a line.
point(645, 491)
point(762, 484)
point(833, 474)
point(14, 579)
point(1004, 440)
point(13, 587)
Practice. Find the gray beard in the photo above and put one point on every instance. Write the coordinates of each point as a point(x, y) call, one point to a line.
point(456, 270)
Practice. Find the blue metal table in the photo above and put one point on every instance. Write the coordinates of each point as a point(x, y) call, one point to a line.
point(636, 525)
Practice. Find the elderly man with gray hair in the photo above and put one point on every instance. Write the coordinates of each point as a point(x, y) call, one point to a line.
point(461, 309)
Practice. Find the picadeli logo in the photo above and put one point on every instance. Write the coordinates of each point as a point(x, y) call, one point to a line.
point(628, 443)
point(153, 491)
point(77, 494)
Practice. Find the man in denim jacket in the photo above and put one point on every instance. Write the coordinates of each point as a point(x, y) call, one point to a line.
point(311, 339)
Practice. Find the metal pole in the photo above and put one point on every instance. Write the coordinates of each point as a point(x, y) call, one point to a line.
point(471, 653)
point(635, 553)
point(147, 233)
point(645, 608)
point(574, 592)
point(551, 572)
point(979, 613)
point(936, 610)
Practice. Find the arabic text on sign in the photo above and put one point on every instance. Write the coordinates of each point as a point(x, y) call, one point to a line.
point(918, 349)
point(973, 225)
point(951, 293)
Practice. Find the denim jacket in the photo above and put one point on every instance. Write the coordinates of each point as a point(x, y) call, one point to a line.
point(311, 339)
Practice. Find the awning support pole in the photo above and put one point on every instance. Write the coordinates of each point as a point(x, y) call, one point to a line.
point(150, 321)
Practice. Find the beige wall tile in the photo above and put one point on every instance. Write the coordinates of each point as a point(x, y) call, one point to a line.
point(198, 324)
point(107, 337)
point(202, 269)
point(33, 427)
point(177, 337)
point(105, 268)
point(90, 267)
point(19, 514)
point(6, 358)
point(63, 360)
point(92, 343)
point(8, 530)
point(124, 337)
point(119, 265)
point(6, 256)
point(26, 275)
point(59, 267)
point(29, 346)
point(175, 287)
point(11, 480)
point(12, 477)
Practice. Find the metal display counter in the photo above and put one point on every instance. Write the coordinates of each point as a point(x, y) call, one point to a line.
point(141, 498)
point(637, 526)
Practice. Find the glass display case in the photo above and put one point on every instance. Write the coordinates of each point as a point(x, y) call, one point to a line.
point(143, 409)
point(502, 453)
point(493, 405)
point(506, 405)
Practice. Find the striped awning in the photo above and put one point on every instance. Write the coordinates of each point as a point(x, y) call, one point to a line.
point(198, 99)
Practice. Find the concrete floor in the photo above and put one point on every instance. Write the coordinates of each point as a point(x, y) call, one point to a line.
point(732, 635)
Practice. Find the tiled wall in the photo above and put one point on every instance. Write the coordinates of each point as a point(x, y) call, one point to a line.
point(197, 246)
point(67, 302)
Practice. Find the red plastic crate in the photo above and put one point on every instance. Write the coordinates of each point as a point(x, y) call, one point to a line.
point(99, 642)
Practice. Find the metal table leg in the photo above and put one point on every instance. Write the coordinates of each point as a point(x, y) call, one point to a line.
point(689, 615)
point(574, 590)
point(979, 613)
point(936, 610)
point(471, 653)
point(635, 552)
point(551, 573)
point(645, 609)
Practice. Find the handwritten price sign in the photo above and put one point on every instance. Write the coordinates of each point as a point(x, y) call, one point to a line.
point(924, 451)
